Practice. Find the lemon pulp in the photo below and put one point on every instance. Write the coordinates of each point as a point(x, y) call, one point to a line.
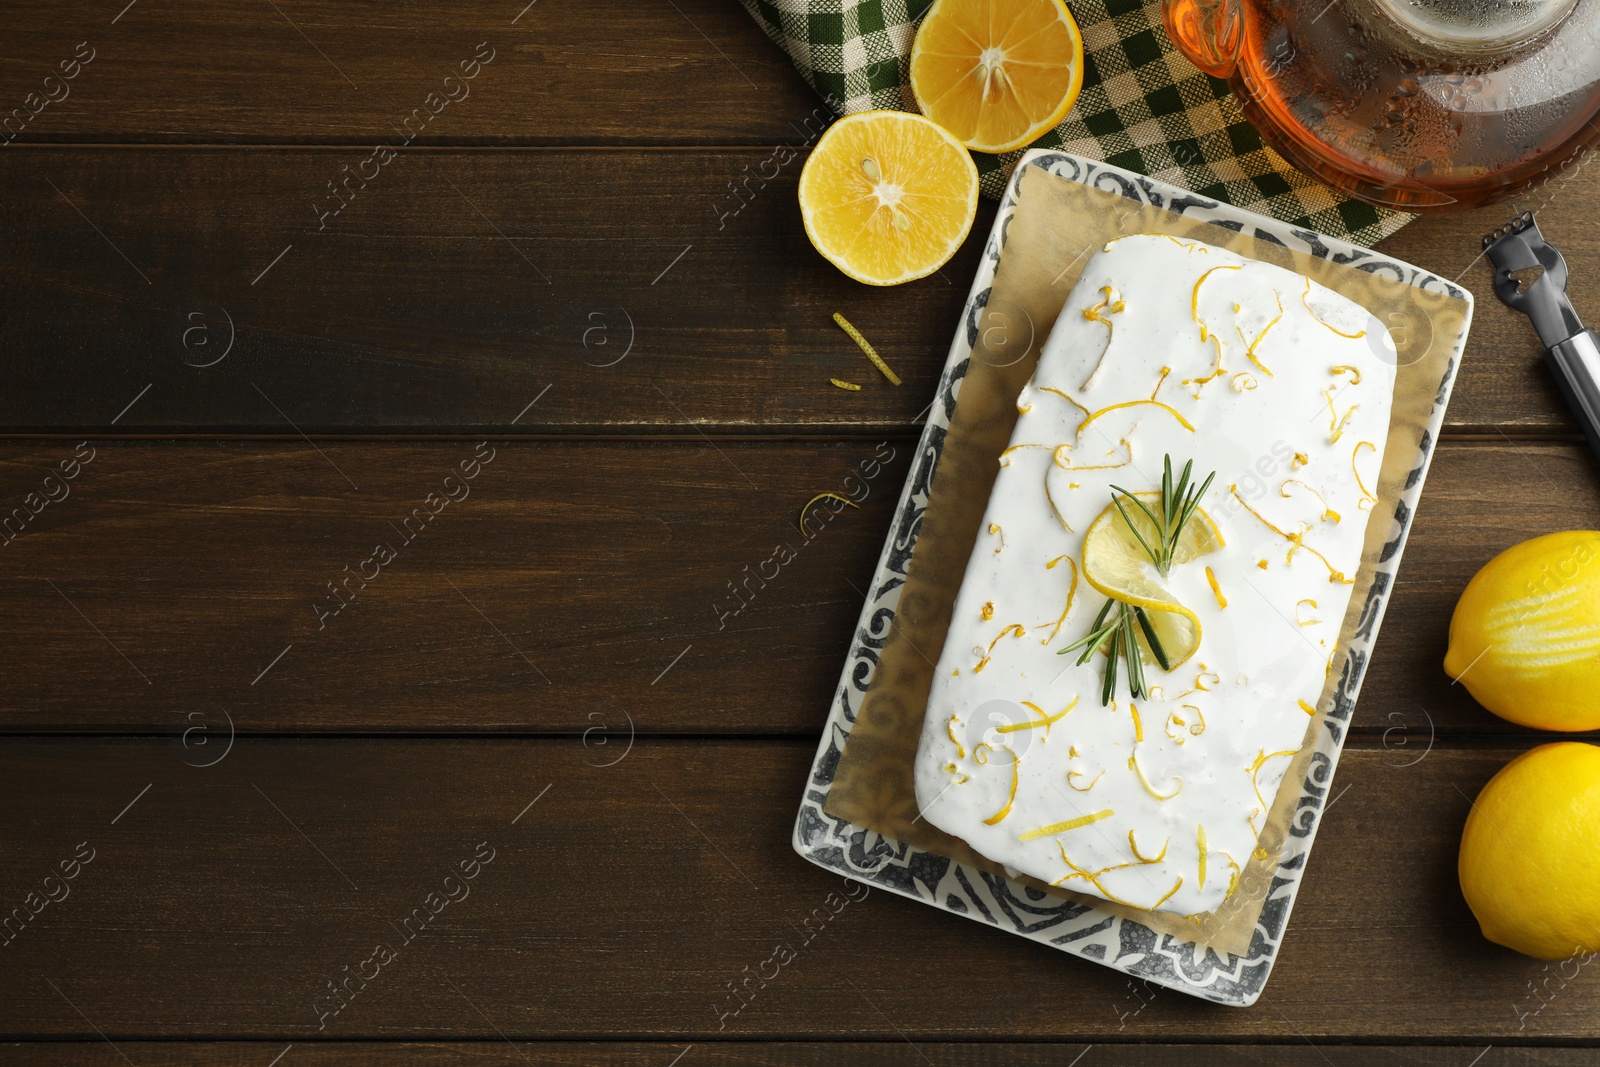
point(888, 197)
point(997, 73)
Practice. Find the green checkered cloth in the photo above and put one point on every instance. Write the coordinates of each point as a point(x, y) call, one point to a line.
point(1144, 107)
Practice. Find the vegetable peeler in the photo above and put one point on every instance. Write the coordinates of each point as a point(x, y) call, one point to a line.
point(1571, 351)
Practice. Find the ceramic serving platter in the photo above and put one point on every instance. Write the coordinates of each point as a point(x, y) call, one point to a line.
point(1080, 929)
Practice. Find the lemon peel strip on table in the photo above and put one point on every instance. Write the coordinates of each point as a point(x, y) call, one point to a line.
point(804, 508)
point(848, 386)
point(866, 346)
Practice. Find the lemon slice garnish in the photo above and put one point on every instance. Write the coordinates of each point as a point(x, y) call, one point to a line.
point(1116, 564)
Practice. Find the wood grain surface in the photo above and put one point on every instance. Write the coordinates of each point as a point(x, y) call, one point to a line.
point(262, 364)
point(458, 281)
point(685, 72)
point(571, 578)
point(503, 1052)
point(627, 897)
point(444, 296)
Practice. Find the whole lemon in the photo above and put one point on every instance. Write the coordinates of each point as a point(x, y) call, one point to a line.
point(1525, 636)
point(1530, 853)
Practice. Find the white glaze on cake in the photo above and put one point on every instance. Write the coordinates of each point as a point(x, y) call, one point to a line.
point(1294, 427)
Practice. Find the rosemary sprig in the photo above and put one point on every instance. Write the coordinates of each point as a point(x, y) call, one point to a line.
point(1119, 639)
point(1117, 628)
point(1177, 508)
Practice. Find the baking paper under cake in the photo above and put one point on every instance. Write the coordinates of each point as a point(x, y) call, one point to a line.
point(1281, 389)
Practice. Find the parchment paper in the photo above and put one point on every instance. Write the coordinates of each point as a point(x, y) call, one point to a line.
point(1058, 225)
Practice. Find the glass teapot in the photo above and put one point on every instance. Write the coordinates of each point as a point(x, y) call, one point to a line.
point(1420, 105)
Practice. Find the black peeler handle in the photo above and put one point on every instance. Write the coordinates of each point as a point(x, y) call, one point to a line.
point(1575, 364)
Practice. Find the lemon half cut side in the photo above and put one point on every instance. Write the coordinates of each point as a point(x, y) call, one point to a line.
point(997, 73)
point(888, 197)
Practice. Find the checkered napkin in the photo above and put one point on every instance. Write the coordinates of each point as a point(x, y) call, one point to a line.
point(1144, 107)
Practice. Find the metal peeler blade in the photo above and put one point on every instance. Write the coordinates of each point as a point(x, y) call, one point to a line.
point(1519, 246)
point(1571, 352)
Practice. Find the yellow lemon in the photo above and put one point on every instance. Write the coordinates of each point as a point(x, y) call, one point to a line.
point(888, 197)
point(1530, 853)
point(997, 73)
point(1525, 636)
point(1116, 564)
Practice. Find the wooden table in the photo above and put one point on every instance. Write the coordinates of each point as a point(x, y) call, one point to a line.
point(261, 348)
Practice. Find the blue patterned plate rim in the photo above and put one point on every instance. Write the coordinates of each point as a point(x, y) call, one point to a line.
point(1120, 943)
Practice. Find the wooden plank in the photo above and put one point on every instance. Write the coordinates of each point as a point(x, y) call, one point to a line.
point(576, 578)
point(459, 281)
point(498, 1053)
point(620, 901)
point(295, 72)
point(612, 579)
point(445, 296)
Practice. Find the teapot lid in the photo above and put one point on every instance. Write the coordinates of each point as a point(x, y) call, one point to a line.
point(1474, 27)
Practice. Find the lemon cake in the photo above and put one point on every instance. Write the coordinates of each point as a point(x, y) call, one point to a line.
point(1152, 606)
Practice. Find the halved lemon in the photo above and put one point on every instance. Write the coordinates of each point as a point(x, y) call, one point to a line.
point(888, 197)
point(997, 73)
point(1116, 564)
